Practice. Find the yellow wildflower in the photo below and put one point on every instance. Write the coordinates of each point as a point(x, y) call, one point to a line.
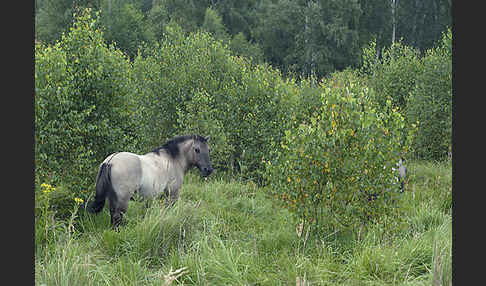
point(46, 188)
point(78, 200)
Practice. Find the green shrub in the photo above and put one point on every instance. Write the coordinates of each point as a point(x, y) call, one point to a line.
point(192, 83)
point(420, 86)
point(430, 102)
point(338, 165)
point(257, 117)
point(394, 74)
point(200, 117)
point(169, 74)
point(83, 105)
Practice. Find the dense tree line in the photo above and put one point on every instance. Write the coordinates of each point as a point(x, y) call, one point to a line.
point(302, 37)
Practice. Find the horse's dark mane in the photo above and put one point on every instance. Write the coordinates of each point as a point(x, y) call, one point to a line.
point(171, 146)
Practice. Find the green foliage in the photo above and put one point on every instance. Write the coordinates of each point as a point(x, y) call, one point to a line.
point(188, 14)
point(337, 168)
point(82, 105)
point(168, 76)
point(242, 47)
point(200, 117)
point(125, 26)
point(420, 86)
point(325, 149)
point(328, 39)
point(256, 116)
point(91, 101)
point(158, 17)
point(55, 212)
point(213, 23)
point(442, 259)
point(309, 37)
point(52, 19)
point(278, 22)
point(394, 74)
point(69, 263)
point(45, 224)
point(430, 102)
point(421, 23)
point(304, 37)
point(194, 83)
point(375, 22)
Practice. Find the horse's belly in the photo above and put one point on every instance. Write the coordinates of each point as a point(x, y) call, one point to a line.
point(150, 189)
point(158, 176)
point(153, 182)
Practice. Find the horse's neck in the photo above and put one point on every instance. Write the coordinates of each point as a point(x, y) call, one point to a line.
point(182, 159)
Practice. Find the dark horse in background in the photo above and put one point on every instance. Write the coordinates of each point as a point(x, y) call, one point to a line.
point(160, 172)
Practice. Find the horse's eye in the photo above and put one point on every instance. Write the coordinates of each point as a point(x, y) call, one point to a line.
point(197, 150)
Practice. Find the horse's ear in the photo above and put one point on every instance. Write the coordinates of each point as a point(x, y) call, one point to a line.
point(207, 138)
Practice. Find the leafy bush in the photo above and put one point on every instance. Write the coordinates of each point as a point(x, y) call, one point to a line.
point(200, 118)
point(394, 74)
point(430, 102)
point(169, 74)
point(420, 86)
point(256, 116)
point(83, 107)
point(338, 165)
point(190, 83)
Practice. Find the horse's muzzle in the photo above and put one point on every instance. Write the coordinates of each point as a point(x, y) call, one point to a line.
point(206, 171)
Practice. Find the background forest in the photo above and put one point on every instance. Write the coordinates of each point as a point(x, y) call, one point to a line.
point(300, 37)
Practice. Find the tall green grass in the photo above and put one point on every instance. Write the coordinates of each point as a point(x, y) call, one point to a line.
point(224, 232)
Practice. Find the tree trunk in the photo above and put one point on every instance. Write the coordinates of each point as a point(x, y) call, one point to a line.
point(394, 22)
point(306, 42)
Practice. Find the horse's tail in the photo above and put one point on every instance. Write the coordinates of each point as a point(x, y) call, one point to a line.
point(103, 187)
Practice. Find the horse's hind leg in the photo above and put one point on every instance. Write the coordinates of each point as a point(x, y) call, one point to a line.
point(116, 217)
point(117, 210)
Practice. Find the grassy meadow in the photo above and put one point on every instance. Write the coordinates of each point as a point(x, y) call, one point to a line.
point(225, 232)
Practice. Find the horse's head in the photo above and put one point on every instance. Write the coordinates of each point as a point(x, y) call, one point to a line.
point(200, 152)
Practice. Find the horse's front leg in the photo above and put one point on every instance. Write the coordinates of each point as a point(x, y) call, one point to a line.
point(172, 195)
point(148, 203)
point(173, 191)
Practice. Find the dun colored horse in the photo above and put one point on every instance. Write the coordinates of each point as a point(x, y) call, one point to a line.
point(160, 172)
